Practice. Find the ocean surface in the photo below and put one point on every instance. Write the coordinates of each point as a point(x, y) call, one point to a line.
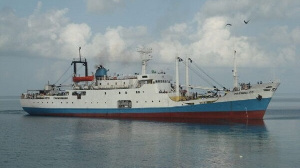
point(30, 141)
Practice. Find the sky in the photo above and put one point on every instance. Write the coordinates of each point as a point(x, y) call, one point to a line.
point(39, 39)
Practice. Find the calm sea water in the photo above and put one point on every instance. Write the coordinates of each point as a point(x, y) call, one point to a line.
point(28, 141)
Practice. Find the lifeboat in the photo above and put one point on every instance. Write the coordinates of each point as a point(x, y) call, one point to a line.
point(84, 78)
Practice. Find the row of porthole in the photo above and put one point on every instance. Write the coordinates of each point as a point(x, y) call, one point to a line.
point(51, 102)
point(126, 92)
point(135, 92)
point(139, 92)
point(42, 102)
point(146, 101)
point(66, 102)
point(92, 102)
point(112, 84)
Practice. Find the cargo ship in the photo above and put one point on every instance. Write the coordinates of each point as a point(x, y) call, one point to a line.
point(148, 95)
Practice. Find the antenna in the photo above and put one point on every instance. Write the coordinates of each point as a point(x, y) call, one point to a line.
point(145, 55)
point(79, 54)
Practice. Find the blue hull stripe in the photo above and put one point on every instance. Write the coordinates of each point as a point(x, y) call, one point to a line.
point(242, 105)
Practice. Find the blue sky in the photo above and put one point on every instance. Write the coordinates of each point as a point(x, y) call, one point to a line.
point(38, 39)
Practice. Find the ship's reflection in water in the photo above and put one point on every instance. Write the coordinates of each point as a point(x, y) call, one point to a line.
point(173, 143)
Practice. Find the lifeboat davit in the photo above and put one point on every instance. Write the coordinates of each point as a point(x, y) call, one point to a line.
point(84, 78)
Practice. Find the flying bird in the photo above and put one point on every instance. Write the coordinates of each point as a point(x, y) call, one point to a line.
point(228, 24)
point(246, 22)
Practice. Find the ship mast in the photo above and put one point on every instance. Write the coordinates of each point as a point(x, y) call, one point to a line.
point(235, 74)
point(177, 78)
point(79, 54)
point(145, 55)
point(187, 61)
point(177, 60)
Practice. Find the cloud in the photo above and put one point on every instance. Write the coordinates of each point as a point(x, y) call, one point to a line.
point(255, 9)
point(295, 34)
point(53, 35)
point(117, 44)
point(104, 6)
point(37, 35)
point(212, 43)
point(206, 38)
point(179, 28)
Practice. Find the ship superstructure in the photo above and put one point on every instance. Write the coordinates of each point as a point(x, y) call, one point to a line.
point(147, 95)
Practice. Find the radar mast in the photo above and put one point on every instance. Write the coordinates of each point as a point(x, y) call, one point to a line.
point(145, 55)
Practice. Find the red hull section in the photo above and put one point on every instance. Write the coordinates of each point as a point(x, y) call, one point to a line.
point(177, 115)
point(84, 78)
